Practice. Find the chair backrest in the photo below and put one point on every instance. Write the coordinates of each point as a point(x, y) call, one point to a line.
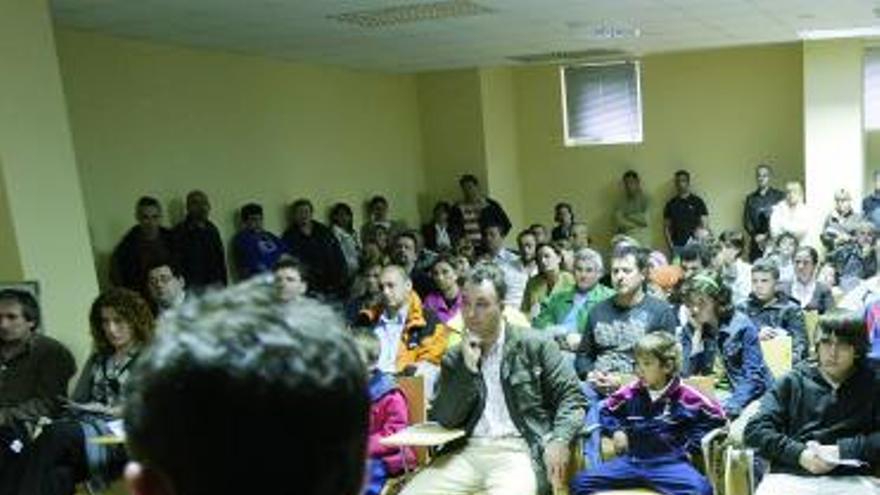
point(811, 324)
point(705, 384)
point(777, 354)
point(413, 388)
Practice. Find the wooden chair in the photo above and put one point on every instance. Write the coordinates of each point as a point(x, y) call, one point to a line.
point(777, 354)
point(413, 388)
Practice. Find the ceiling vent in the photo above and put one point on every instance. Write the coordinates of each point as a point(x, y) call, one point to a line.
point(406, 14)
point(572, 56)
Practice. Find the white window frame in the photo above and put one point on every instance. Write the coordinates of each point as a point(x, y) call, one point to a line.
point(583, 141)
point(872, 60)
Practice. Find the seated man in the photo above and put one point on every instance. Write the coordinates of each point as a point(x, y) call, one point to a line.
point(231, 379)
point(166, 286)
point(34, 372)
point(290, 279)
point(773, 311)
point(820, 425)
point(511, 391)
point(413, 339)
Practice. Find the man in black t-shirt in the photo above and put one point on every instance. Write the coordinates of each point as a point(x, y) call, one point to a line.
point(683, 214)
point(615, 325)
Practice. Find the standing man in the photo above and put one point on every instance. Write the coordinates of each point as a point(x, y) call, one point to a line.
point(34, 372)
point(476, 211)
point(631, 215)
point(683, 214)
point(255, 250)
point(145, 244)
point(315, 245)
point(198, 245)
point(756, 213)
point(513, 394)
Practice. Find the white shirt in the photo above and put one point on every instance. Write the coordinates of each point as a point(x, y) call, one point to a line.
point(442, 237)
point(495, 421)
point(803, 292)
point(515, 276)
point(389, 330)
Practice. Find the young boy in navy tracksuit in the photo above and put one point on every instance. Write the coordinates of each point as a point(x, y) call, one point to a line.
point(655, 424)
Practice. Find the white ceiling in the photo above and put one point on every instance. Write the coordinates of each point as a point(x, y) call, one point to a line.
point(300, 30)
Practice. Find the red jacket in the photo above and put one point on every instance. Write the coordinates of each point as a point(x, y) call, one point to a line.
point(388, 415)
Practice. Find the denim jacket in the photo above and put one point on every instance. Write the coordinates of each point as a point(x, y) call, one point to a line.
point(741, 356)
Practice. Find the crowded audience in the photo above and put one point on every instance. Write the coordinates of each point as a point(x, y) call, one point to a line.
point(535, 353)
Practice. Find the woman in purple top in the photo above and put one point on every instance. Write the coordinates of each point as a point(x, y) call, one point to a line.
point(445, 302)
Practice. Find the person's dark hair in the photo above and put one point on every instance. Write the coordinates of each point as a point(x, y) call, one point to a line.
point(172, 265)
point(766, 265)
point(708, 283)
point(375, 200)
point(734, 239)
point(487, 270)
point(564, 206)
point(409, 234)
point(695, 251)
point(444, 206)
point(810, 251)
point(468, 178)
point(286, 261)
point(524, 233)
point(765, 166)
point(683, 173)
point(250, 210)
point(232, 378)
point(30, 308)
point(145, 201)
point(630, 174)
point(641, 255)
point(848, 327)
point(447, 258)
point(787, 235)
point(340, 208)
point(131, 307)
point(301, 202)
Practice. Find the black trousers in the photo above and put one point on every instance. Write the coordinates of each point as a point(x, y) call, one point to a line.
point(56, 461)
point(14, 449)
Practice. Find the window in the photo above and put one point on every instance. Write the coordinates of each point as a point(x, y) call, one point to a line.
point(872, 89)
point(602, 103)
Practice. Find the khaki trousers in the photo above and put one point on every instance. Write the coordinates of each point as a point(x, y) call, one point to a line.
point(491, 466)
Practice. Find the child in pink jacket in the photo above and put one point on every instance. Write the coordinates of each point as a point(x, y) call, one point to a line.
point(388, 415)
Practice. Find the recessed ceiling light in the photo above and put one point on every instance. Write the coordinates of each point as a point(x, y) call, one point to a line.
point(830, 34)
point(416, 12)
point(604, 30)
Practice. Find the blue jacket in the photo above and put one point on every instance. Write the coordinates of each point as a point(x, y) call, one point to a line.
point(670, 427)
point(741, 356)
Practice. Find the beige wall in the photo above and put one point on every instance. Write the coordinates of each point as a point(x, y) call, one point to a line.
point(452, 131)
point(41, 201)
point(155, 119)
point(716, 113)
point(161, 120)
point(833, 121)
